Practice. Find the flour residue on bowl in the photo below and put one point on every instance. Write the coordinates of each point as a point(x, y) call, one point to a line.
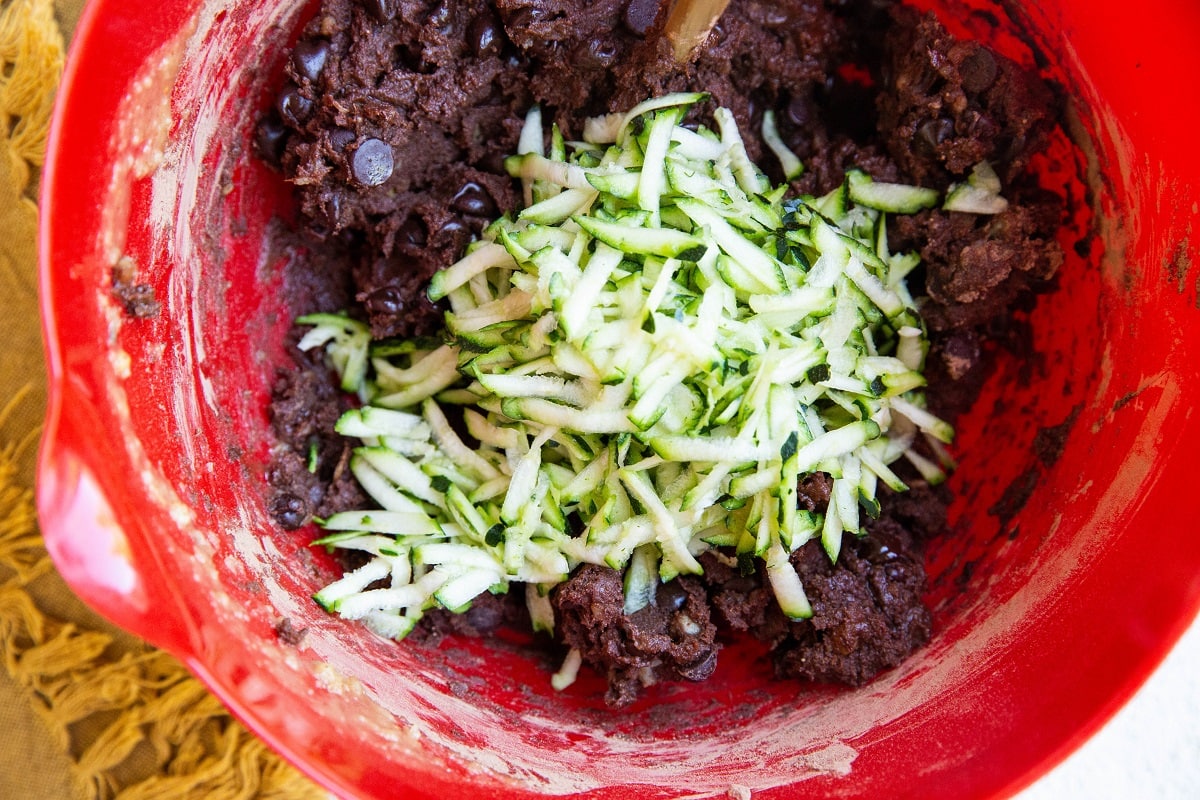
point(139, 142)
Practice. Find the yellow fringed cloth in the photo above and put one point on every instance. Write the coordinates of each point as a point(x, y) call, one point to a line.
point(86, 711)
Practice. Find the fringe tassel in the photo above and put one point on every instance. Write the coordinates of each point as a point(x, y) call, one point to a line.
point(31, 48)
point(137, 725)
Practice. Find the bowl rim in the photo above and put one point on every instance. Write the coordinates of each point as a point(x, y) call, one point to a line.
point(62, 437)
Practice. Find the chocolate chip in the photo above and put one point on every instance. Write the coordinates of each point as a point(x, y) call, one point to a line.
point(386, 301)
point(881, 547)
point(288, 510)
point(309, 58)
point(800, 111)
point(1014, 148)
point(597, 52)
point(381, 10)
point(671, 595)
point(473, 199)
point(294, 107)
point(640, 15)
point(271, 139)
point(340, 139)
point(452, 232)
point(701, 668)
point(931, 134)
point(412, 232)
point(978, 126)
point(978, 71)
point(491, 161)
point(484, 36)
point(372, 162)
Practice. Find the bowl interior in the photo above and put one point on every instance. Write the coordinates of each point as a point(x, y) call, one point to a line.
point(1052, 598)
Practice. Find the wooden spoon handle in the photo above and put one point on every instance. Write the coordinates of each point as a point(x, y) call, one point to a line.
point(689, 23)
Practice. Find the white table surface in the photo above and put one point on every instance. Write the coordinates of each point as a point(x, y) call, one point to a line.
point(1150, 749)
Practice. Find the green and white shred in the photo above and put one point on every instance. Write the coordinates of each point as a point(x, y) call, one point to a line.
point(647, 359)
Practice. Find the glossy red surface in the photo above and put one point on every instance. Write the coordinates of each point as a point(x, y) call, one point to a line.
point(1049, 613)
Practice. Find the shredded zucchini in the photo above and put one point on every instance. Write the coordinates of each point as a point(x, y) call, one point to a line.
point(654, 352)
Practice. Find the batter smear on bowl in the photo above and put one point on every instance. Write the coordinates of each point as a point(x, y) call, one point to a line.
point(398, 124)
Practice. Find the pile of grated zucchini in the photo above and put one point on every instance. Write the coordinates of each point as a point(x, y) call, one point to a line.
point(647, 358)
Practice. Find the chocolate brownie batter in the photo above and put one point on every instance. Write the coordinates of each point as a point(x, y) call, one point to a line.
point(136, 298)
point(672, 638)
point(867, 610)
point(393, 124)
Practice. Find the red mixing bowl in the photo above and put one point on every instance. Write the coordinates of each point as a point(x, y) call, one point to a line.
point(1072, 569)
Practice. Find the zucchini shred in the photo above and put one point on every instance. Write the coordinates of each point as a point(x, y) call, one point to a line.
point(647, 359)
